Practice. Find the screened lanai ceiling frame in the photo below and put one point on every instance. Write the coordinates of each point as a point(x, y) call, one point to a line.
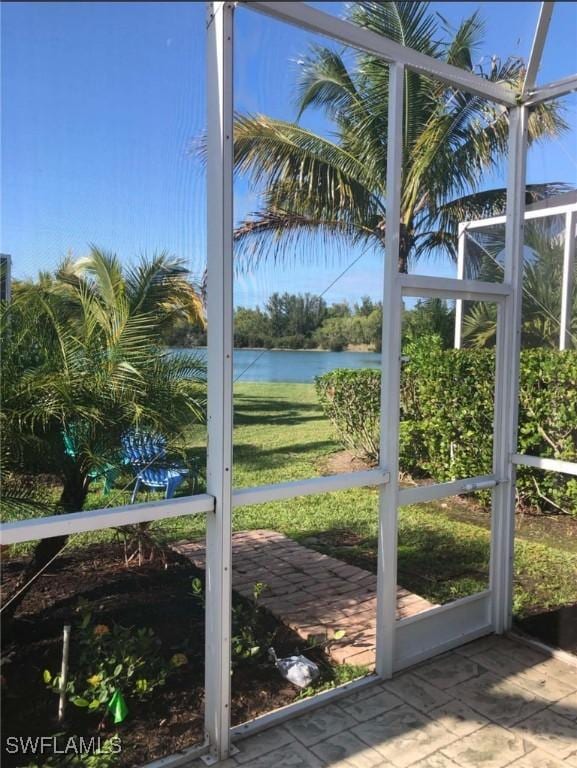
point(534, 212)
point(399, 643)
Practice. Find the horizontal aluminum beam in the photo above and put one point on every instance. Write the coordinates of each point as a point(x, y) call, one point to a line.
point(539, 213)
point(552, 90)
point(99, 519)
point(550, 465)
point(277, 716)
point(424, 493)
point(242, 497)
point(452, 288)
point(304, 16)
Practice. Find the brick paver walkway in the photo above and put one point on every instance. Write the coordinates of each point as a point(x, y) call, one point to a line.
point(316, 595)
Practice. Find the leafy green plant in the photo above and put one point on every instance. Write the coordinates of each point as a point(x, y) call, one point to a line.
point(333, 676)
point(447, 413)
point(112, 658)
point(83, 355)
point(351, 401)
point(248, 642)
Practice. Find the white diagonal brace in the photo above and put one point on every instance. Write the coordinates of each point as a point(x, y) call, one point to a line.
point(538, 45)
point(302, 15)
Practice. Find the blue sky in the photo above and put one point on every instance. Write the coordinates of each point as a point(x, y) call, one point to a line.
point(101, 103)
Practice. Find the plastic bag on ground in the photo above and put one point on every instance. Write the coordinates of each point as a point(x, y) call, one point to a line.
point(298, 670)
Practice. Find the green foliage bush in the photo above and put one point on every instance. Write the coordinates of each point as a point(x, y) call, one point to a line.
point(249, 643)
point(111, 658)
point(548, 426)
point(447, 416)
point(350, 399)
point(446, 411)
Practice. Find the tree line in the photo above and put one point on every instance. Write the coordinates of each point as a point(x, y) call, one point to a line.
point(306, 321)
point(297, 321)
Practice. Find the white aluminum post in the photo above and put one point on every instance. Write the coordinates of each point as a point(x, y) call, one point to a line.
point(567, 282)
point(219, 309)
point(460, 276)
point(507, 378)
point(390, 384)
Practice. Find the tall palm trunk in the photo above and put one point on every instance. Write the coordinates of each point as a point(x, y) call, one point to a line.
point(405, 245)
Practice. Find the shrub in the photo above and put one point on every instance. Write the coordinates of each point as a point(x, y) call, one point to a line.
point(446, 411)
point(249, 643)
point(548, 427)
point(350, 399)
point(112, 658)
point(446, 428)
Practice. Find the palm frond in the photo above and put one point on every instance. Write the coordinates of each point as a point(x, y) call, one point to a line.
point(275, 151)
point(408, 23)
point(438, 227)
point(309, 184)
point(276, 235)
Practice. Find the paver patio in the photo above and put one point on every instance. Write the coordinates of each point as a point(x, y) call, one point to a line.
point(455, 711)
point(316, 595)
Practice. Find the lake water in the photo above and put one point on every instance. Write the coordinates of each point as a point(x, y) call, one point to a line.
point(295, 365)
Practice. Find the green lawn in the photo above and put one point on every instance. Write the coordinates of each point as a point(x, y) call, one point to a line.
point(281, 434)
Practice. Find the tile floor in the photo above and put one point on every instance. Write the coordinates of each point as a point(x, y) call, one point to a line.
point(490, 704)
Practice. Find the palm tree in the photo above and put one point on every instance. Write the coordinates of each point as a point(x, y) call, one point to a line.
point(313, 185)
point(83, 354)
point(542, 282)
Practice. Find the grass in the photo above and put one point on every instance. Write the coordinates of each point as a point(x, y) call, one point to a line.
point(281, 434)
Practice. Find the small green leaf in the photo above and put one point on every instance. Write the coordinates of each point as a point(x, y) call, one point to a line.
point(78, 701)
point(117, 670)
point(94, 704)
point(46, 676)
point(339, 634)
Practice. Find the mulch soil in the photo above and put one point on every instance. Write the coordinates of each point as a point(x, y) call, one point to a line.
point(156, 595)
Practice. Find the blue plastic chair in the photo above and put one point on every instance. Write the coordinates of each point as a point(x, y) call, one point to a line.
point(146, 452)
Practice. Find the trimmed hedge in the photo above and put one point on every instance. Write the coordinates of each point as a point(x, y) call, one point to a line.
point(350, 399)
point(447, 416)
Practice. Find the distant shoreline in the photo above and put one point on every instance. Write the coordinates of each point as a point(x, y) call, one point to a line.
point(360, 348)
